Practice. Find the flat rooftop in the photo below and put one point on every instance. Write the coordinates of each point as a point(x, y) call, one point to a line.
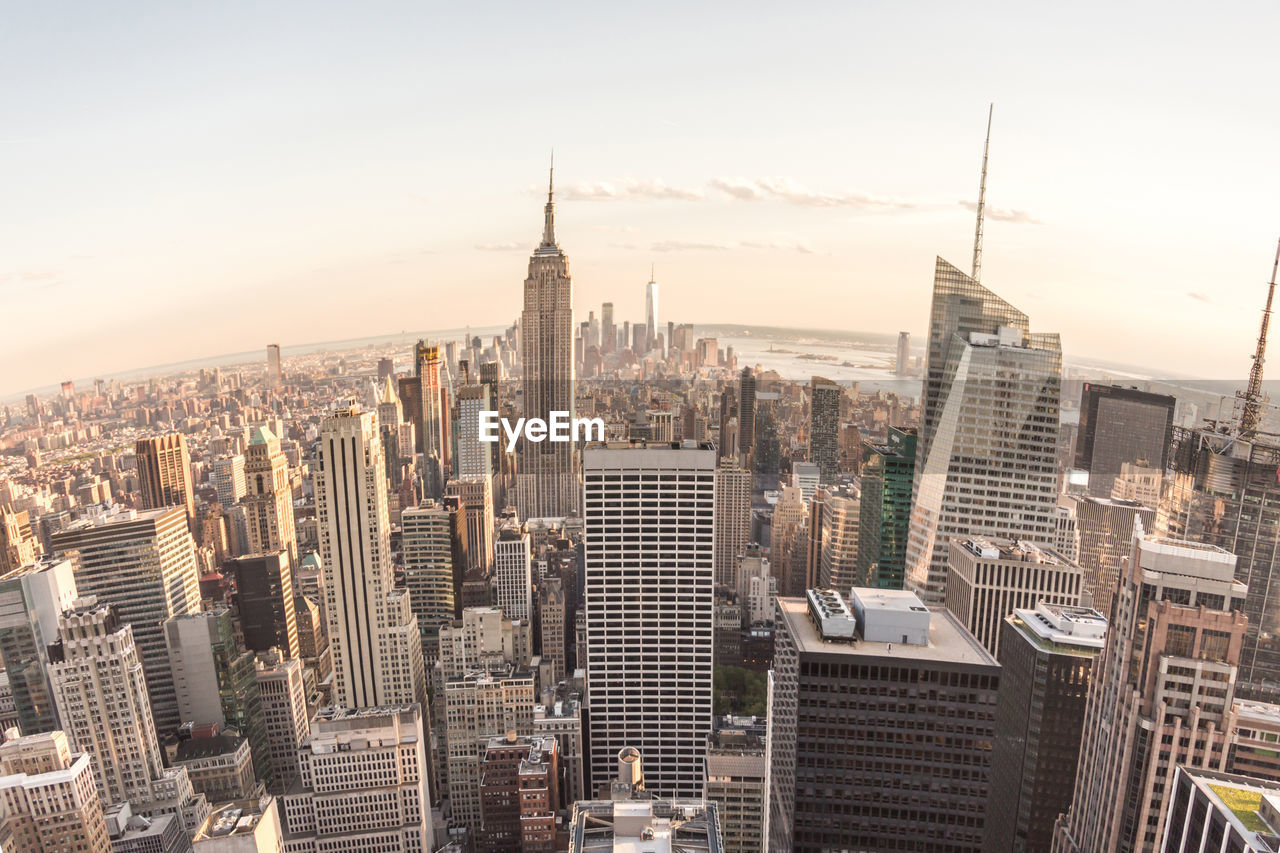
point(1020, 551)
point(949, 642)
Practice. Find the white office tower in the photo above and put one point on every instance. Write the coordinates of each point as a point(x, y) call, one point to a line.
point(101, 691)
point(475, 459)
point(284, 714)
point(143, 562)
point(514, 572)
point(483, 639)
point(733, 520)
point(32, 597)
point(362, 784)
point(649, 539)
point(227, 477)
point(839, 567)
point(377, 650)
point(805, 476)
point(989, 440)
point(48, 800)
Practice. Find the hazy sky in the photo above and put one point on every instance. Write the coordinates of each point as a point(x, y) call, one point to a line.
point(182, 180)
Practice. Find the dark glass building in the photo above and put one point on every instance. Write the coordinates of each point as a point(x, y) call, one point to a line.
point(1119, 425)
point(1047, 657)
point(885, 513)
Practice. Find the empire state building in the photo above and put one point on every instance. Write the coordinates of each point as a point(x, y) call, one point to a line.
point(547, 483)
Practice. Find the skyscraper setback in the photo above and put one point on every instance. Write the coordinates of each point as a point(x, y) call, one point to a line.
point(548, 480)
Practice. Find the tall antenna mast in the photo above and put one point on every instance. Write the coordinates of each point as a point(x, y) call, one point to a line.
point(1253, 397)
point(982, 199)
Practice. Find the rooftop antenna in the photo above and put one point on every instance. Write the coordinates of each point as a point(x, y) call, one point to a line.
point(982, 199)
point(651, 272)
point(1252, 396)
point(549, 225)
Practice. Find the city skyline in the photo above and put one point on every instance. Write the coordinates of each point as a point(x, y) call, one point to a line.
point(326, 175)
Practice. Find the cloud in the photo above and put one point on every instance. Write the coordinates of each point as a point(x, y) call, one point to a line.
point(501, 247)
point(1002, 214)
point(793, 192)
point(630, 189)
point(688, 246)
point(1200, 297)
point(694, 246)
point(739, 188)
point(28, 276)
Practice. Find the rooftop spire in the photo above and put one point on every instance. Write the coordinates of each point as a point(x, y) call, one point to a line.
point(549, 227)
point(982, 199)
point(651, 272)
point(1252, 397)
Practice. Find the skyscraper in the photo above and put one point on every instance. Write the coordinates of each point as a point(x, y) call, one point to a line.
point(547, 485)
point(650, 573)
point(987, 579)
point(475, 497)
point(164, 473)
point(608, 331)
point(101, 691)
point(48, 798)
point(363, 783)
point(990, 429)
point(268, 500)
point(1046, 659)
point(377, 650)
point(746, 417)
point(651, 309)
point(1106, 538)
point(434, 441)
point(733, 520)
point(866, 697)
point(227, 477)
point(514, 572)
point(264, 593)
point(275, 376)
point(474, 457)
point(737, 781)
point(214, 679)
point(1160, 695)
point(838, 568)
point(428, 568)
point(284, 716)
point(885, 512)
point(551, 613)
point(481, 705)
point(1224, 491)
point(31, 600)
point(1119, 425)
point(824, 428)
point(144, 563)
point(902, 365)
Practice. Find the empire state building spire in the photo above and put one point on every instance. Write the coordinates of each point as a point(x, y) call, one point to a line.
point(549, 227)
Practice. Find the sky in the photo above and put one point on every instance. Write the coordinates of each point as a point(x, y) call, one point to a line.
point(186, 180)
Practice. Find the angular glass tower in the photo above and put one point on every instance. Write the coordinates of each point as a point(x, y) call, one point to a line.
point(987, 452)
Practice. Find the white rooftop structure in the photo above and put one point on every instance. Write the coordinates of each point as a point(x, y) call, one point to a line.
point(890, 616)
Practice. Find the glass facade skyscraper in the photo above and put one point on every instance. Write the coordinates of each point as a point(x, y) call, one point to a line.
point(990, 437)
point(886, 510)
